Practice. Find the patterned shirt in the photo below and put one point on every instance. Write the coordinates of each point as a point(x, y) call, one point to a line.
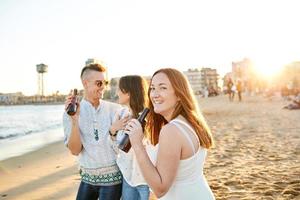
point(97, 159)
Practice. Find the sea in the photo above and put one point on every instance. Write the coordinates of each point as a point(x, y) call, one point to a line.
point(25, 128)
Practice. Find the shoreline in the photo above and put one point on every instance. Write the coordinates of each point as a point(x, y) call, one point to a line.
point(33, 104)
point(12, 147)
point(43, 103)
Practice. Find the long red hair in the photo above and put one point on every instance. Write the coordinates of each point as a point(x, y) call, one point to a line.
point(187, 107)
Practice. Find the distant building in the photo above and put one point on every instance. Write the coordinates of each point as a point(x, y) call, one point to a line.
point(209, 78)
point(242, 70)
point(194, 78)
point(202, 79)
point(93, 61)
point(10, 98)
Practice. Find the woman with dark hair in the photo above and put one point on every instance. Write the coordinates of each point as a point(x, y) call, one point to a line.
point(181, 136)
point(132, 93)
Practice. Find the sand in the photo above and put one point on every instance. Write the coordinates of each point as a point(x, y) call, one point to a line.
point(256, 156)
point(48, 173)
point(257, 153)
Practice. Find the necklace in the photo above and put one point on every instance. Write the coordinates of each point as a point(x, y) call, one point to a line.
point(95, 130)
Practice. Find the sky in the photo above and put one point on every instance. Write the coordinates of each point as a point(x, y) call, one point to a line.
point(139, 37)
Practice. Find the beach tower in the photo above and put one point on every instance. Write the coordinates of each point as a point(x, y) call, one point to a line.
point(41, 69)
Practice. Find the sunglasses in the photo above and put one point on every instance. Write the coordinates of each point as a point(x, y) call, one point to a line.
point(101, 83)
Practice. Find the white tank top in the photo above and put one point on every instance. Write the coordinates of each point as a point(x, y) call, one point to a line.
point(189, 182)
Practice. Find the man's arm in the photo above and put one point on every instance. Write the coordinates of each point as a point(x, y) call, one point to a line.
point(74, 143)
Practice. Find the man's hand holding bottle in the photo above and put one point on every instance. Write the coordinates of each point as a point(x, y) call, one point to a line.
point(72, 106)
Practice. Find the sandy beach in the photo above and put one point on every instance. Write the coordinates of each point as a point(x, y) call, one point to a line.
point(256, 156)
point(48, 173)
point(257, 153)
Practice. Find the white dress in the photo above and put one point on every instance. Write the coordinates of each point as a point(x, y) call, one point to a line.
point(127, 162)
point(189, 183)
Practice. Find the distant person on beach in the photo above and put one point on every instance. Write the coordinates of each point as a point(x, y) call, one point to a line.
point(132, 93)
point(295, 103)
point(86, 136)
point(174, 167)
point(239, 89)
point(229, 89)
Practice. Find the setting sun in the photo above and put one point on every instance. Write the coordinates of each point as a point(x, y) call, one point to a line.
point(268, 69)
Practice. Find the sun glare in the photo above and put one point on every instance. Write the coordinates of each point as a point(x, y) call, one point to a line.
point(268, 70)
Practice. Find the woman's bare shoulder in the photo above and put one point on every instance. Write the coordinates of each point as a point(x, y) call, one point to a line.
point(169, 132)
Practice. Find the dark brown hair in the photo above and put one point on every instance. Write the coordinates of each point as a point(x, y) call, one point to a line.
point(186, 107)
point(137, 87)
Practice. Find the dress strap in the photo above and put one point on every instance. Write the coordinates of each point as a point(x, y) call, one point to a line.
point(184, 133)
point(188, 126)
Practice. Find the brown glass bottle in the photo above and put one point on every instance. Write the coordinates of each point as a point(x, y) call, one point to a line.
point(72, 107)
point(125, 144)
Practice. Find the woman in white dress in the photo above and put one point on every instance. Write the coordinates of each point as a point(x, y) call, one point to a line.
point(181, 136)
point(132, 93)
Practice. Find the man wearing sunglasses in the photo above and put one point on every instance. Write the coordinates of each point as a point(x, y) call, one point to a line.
point(86, 135)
